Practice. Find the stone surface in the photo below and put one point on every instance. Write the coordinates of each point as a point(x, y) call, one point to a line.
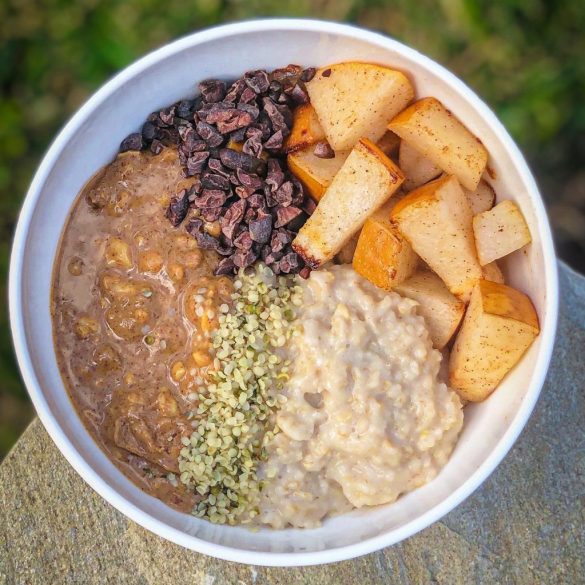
point(525, 525)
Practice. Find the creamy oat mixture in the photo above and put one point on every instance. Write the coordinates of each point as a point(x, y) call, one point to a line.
point(366, 418)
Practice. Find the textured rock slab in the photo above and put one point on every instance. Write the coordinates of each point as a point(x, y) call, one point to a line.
point(524, 526)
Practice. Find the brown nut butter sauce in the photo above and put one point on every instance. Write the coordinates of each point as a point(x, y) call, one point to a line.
point(134, 302)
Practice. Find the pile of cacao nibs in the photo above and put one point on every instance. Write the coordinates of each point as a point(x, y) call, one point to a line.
point(244, 203)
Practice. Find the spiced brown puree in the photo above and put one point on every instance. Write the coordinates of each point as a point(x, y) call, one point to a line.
point(133, 302)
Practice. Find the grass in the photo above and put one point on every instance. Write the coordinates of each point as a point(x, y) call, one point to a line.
point(524, 57)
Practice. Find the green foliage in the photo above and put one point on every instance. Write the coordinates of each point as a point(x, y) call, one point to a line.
point(525, 57)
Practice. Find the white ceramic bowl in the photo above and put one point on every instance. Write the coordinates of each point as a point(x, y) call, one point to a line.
point(91, 139)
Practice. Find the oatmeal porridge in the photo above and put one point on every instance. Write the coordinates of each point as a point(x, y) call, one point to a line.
point(366, 418)
point(271, 306)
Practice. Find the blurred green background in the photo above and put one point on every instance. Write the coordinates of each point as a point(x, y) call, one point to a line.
point(526, 58)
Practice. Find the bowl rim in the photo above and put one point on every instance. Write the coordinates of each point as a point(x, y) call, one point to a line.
point(97, 482)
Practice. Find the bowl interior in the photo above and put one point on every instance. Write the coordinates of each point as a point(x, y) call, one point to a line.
point(91, 140)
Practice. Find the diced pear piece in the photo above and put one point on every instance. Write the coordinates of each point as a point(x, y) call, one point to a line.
point(389, 144)
point(313, 172)
point(482, 199)
point(435, 132)
point(437, 221)
point(500, 231)
point(441, 310)
point(346, 254)
point(306, 129)
point(364, 182)
point(492, 272)
point(383, 255)
point(357, 100)
point(499, 326)
point(417, 168)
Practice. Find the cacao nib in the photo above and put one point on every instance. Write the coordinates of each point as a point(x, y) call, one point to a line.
point(250, 109)
point(248, 179)
point(195, 146)
point(323, 150)
point(196, 163)
point(189, 138)
point(299, 95)
point(276, 115)
point(216, 166)
point(283, 99)
point(225, 266)
point(290, 263)
point(274, 176)
point(284, 194)
point(253, 146)
point(244, 192)
point(211, 214)
point(154, 118)
point(309, 206)
point(271, 257)
point(280, 239)
point(244, 241)
point(270, 198)
point(240, 160)
point(168, 136)
point(288, 75)
point(178, 208)
point(249, 215)
point(238, 135)
point(244, 259)
point(308, 74)
point(204, 240)
point(185, 109)
point(305, 272)
point(149, 131)
point(257, 81)
point(211, 136)
point(212, 90)
point(275, 142)
point(233, 216)
point(274, 91)
point(248, 96)
point(167, 116)
point(132, 142)
point(195, 189)
point(254, 132)
point(238, 120)
point(285, 215)
point(156, 146)
point(218, 114)
point(261, 228)
point(210, 198)
point(207, 110)
point(213, 181)
point(229, 120)
point(298, 191)
point(235, 91)
point(264, 125)
point(195, 225)
point(256, 201)
point(225, 248)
